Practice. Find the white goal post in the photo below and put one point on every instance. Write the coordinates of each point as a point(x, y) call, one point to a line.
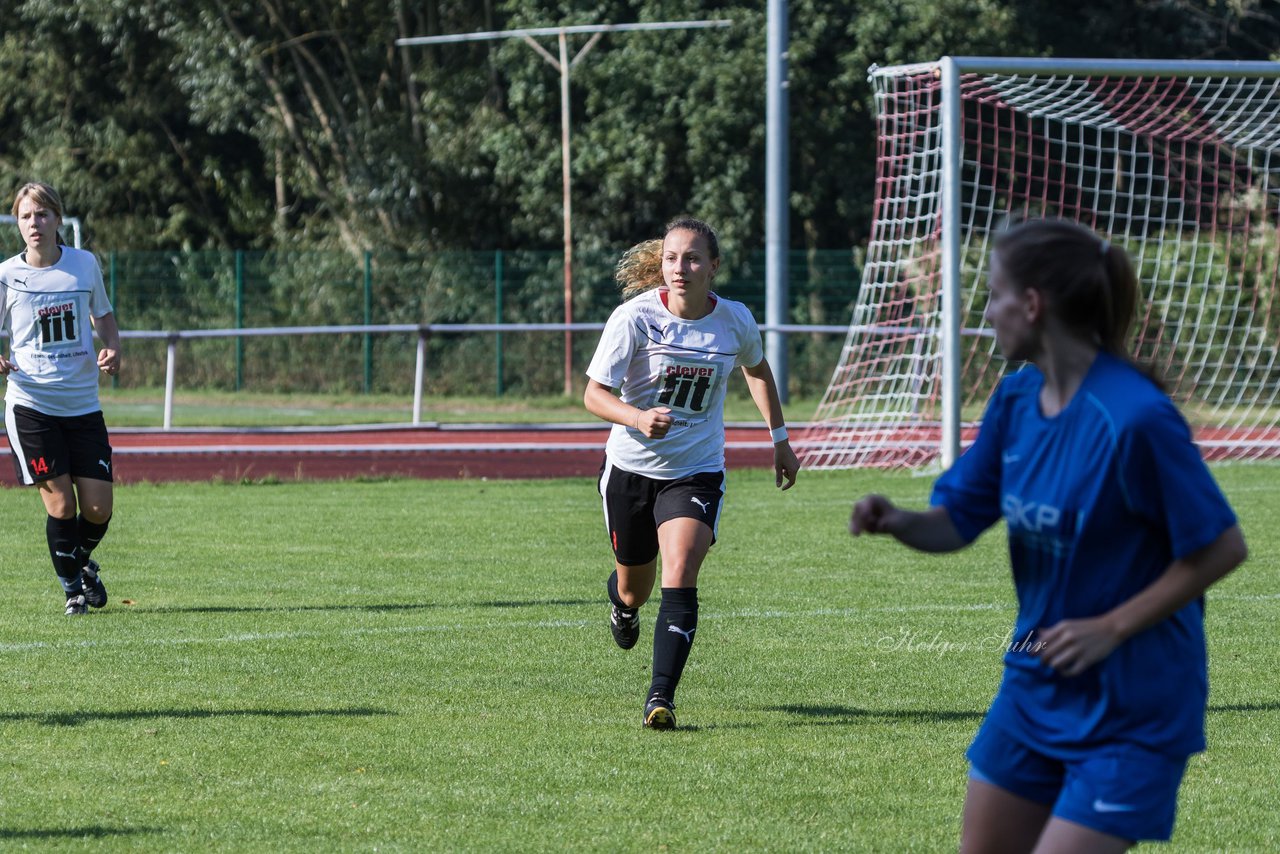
point(1176, 161)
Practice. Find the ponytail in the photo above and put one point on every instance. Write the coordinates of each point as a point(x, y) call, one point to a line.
point(1115, 320)
point(640, 268)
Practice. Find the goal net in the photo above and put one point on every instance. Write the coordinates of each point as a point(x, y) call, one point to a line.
point(1178, 162)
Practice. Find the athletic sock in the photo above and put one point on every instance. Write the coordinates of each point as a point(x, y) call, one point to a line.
point(614, 596)
point(89, 534)
point(61, 534)
point(672, 638)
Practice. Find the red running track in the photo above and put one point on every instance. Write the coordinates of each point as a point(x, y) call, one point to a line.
point(443, 451)
point(427, 451)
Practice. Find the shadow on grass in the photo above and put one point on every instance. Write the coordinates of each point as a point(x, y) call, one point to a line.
point(92, 831)
point(282, 609)
point(386, 608)
point(71, 719)
point(834, 715)
point(538, 603)
point(1246, 707)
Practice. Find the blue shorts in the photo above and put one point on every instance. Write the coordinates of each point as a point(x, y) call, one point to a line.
point(1119, 789)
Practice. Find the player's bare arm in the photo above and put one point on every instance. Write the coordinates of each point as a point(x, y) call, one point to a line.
point(1073, 646)
point(764, 392)
point(924, 530)
point(109, 333)
point(601, 402)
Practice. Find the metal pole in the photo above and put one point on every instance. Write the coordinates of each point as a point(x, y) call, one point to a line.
point(115, 378)
point(368, 319)
point(952, 143)
point(568, 211)
point(497, 312)
point(573, 30)
point(239, 318)
point(420, 369)
point(169, 370)
point(777, 189)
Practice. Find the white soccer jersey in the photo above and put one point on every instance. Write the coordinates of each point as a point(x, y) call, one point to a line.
point(658, 359)
point(46, 311)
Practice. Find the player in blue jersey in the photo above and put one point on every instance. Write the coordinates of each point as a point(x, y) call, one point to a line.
point(51, 302)
point(1116, 528)
point(670, 350)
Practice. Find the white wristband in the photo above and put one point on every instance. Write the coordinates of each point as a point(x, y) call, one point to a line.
point(778, 434)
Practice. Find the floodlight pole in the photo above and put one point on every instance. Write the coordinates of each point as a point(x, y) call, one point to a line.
point(563, 65)
point(777, 217)
point(567, 197)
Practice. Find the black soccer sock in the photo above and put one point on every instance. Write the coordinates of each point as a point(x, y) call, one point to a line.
point(614, 596)
point(89, 534)
point(672, 638)
point(61, 534)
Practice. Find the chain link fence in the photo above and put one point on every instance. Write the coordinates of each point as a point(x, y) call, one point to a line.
point(232, 290)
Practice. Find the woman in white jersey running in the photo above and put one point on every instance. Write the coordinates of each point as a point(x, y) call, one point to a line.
point(670, 349)
point(51, 302)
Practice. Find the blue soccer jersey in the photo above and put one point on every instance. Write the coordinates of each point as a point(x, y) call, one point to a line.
point(1098, 501)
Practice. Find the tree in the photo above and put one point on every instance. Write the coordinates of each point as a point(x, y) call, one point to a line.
point(90, 107)
point(261, 123)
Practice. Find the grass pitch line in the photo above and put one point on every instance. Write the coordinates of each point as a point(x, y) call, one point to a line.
point(853, 612)
point(362, 631)
point(744, 613)
point(238, 637)
point(1245, 597)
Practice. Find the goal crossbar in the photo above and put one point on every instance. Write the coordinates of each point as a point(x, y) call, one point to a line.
point(1090, 67)
point(1177, 161)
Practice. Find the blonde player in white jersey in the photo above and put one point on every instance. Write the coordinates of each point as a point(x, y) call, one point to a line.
point(51, 301)
point(670, 350)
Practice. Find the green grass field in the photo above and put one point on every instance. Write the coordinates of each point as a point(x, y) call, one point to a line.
point(414, 666)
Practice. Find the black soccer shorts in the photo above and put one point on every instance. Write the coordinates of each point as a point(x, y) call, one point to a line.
point(635, 505)
point(46, 446)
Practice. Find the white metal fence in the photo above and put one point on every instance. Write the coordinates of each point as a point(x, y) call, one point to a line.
point(422, 331)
